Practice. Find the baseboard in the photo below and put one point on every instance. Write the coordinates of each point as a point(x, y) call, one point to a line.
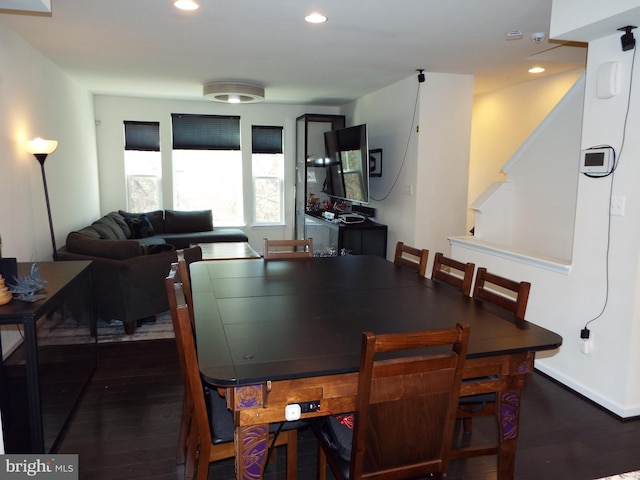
point(606, 404)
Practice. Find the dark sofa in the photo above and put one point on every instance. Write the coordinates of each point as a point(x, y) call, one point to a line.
point(132, 253)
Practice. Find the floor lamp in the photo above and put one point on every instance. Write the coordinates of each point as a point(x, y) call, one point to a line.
point(40, 149)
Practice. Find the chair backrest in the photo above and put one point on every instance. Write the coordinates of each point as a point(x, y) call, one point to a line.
point(453, 272)
point(406, 405)
point(288, 249)
point(185, 278)
point(506, 293)
point(187, 356)
point(411, 257)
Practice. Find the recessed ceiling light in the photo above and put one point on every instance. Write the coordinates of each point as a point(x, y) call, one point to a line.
point(315, 18)
point(186, 5)
point(536, 70)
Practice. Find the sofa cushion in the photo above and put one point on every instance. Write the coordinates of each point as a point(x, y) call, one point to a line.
point(96, 247)
point(176, 221)
point(184, 240)
point(140, 226)
point(151, 248)
point(119, 220)
point(108, 229)
point(156, 217)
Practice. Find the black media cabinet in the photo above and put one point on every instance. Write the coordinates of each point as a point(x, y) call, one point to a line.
point(330, 238)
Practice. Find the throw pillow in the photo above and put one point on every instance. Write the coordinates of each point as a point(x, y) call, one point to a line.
point(140, 226)
point(176, 221)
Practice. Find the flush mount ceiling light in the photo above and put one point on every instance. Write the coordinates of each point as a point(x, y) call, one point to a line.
point(315, 18)
point(186, 5)
point(231, 92)
point(536, 70)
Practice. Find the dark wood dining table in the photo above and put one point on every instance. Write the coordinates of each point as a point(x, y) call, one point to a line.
point(279, 332)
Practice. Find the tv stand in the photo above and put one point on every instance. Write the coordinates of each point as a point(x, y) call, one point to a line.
point(334, 237)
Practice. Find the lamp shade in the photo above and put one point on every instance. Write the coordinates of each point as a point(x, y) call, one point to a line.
point(40, 146)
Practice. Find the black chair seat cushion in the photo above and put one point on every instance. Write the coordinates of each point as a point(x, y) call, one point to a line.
point(336, 433)
point(221, 419)
point(481, 400)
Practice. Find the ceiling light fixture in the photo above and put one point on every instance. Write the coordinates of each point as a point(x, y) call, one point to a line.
point(233, 92)
point(536, 70)
point(186, 5)
point(315, 17)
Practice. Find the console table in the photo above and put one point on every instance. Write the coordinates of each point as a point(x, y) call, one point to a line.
point(366, 238)
point(42, 378)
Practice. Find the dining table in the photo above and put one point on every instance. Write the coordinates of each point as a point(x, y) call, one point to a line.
point(275, 333)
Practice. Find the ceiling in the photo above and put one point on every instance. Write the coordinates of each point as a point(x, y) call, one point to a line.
point(149, 48)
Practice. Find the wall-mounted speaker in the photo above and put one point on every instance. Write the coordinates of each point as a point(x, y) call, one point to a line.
point(608, 83)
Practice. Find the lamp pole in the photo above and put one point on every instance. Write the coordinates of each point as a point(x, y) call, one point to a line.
point(41, 158)
point(41, 149)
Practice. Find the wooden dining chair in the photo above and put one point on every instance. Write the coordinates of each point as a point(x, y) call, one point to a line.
point(513, 297)
point(411, 257)
point(283, 249)
point(405, 408)
point(452, 272)
point(185, 279)
point(506, 293)
point(207, 427)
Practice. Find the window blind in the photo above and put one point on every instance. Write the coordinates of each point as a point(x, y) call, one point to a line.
point(205, 132)
point(142, 136)
point(266, 139)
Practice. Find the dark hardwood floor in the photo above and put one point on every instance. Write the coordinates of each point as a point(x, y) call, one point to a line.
point(126, 425)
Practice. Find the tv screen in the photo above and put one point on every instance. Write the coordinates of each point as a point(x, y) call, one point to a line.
point(347, 160)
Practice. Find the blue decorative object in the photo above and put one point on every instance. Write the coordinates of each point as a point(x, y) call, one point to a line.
point(26, 286)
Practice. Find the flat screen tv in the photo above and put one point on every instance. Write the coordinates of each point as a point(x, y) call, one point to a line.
point(347, 164)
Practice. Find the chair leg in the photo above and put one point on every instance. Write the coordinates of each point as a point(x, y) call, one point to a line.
point(202, 469)
point(183, 433)
point(292, 454)
point(321, 468)
point(192, 454)
point(467, 425)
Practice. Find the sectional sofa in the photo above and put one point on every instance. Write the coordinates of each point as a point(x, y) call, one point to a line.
point(132, 253)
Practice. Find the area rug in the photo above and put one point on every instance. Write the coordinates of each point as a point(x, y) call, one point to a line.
point(623, 476)
point(57, 331)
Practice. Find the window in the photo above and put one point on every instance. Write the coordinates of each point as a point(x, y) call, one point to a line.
point(142, 165)
point(207, 166)
point(267, 164)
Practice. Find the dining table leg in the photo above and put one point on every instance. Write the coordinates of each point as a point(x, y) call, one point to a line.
point(251, 441)
point(251, 451)
point(509, 422)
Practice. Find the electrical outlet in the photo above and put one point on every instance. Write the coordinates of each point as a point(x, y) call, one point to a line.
point(617, 206)
point(587, 345)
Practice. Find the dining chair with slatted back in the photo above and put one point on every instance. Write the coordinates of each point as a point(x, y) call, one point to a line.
point(185, 278)
point(210, 425)
point(405, 408)
point(509, 294)
point(186, 453)
point(452, 272)
point(411, 257)
point(288, 249)
point(512, 296)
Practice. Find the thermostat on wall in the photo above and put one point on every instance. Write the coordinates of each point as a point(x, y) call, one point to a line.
point(597, 161)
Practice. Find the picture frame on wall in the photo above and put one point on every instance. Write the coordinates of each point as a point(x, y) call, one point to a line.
point(375, 162)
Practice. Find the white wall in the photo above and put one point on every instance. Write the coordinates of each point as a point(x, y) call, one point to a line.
point(411, 197)
point(37, 99)
point(599, 287)
point(112, 111)
point(503, 120)
point(534, 210)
